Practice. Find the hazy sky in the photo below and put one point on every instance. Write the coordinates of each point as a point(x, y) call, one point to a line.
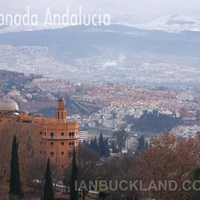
point(139, 7)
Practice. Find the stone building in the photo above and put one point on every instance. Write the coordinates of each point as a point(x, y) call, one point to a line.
point(56, 136)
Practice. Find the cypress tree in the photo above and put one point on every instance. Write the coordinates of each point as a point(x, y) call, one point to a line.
point(195, 194)
point(106, 148)
point(48, 186)
point(15, 182)
point(101, 145)
point(141, 143)
point(74, 178)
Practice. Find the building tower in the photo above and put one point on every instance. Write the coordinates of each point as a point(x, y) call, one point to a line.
point(56, 137)
point(61, 112)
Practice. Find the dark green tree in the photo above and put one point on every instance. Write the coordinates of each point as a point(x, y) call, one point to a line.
point(94, 145)
point(15, 182)
point(146, 145)
point(121, 137)
point(101, 145)
point(141, 143)
point(114, 148)
point(74, 178)
point(48, 186)
point(106, 148)
point(195, 195)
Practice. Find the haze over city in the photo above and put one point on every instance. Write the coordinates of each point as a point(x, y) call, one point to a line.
point(141, 10)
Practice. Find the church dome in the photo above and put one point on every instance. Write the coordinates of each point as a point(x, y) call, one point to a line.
point(8, 104)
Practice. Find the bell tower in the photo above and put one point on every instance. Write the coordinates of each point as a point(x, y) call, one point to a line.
point(61, 112)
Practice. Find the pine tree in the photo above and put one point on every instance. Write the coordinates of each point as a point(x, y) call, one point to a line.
point(15, 182)
point(94, 145)
point(141, 143)
point(195, 194)
point(106, 148)
point(101, 145)
point(74, 178)
point(48, 186)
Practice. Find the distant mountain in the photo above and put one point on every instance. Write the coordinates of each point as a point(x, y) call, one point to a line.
point(114, 53)
point(169, 23)
point(78, 41)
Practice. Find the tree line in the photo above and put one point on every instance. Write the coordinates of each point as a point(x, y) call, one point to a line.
point(153, 122)
point(99, 146)
point(165, 158)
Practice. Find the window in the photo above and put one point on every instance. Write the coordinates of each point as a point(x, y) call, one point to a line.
point(71, 135)
point(71, 144)
point(62, 153)
point(62, 143)
point(52, 154)
point(51, 144)
point(40, 132)
point(52, 135)
point(62, 134)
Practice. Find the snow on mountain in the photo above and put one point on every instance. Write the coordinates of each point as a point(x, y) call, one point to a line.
point(40, 26)
point(169, 23)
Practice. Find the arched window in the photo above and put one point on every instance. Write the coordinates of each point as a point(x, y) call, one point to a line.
point(71, 134)
point(51, 144)
point(52, 154)
point(62, 153)
point(62, 143)
point(52, 135)
point(62, 134)
point(71, 144)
